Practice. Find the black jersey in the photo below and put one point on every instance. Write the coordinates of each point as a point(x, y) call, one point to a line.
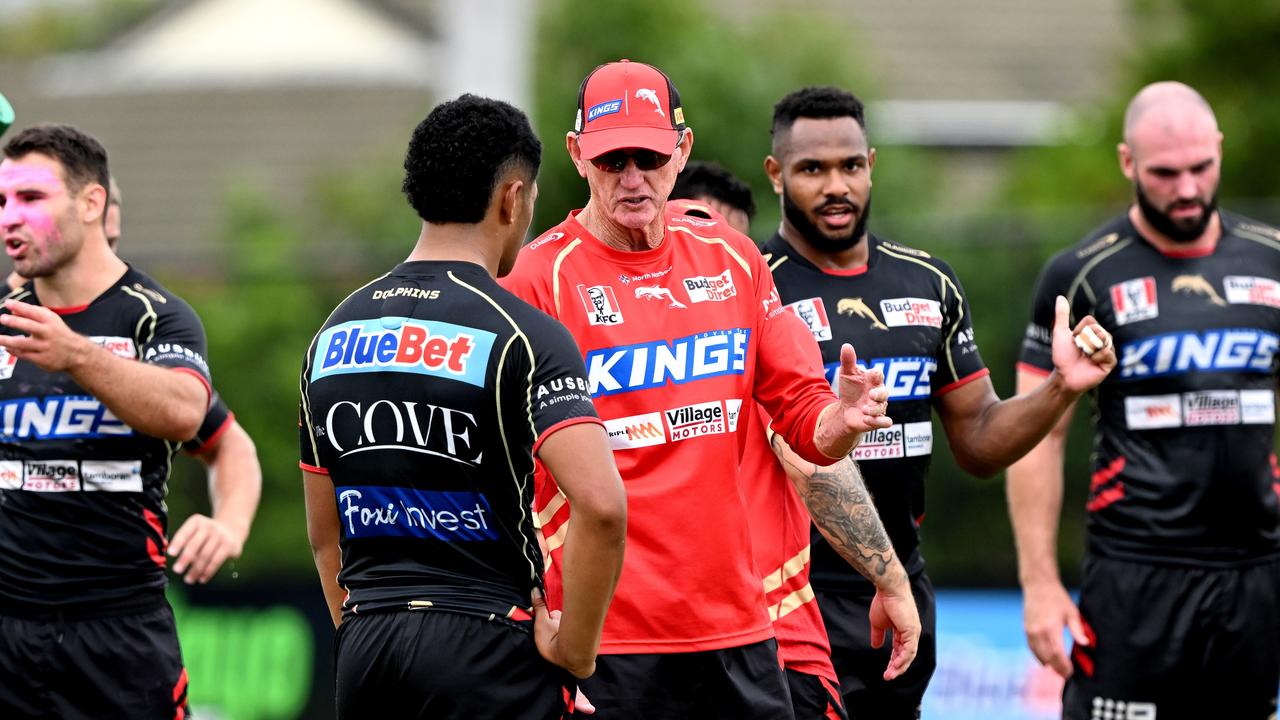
point(1184, 468)
point(424, 397)
point(905, 313)
point(83, 524)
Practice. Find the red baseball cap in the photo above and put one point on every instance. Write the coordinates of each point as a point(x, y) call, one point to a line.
point(628, 104)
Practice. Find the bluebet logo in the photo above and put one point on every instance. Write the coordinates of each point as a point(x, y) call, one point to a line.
point(399, 344)
point(908, 378)
point(60, 417)
point(653, 364)
point(379, 511)
point(1224, 350)
point(607, 107)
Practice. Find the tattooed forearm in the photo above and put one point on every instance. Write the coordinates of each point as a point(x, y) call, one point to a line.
point(844, 512)
point(842, 509)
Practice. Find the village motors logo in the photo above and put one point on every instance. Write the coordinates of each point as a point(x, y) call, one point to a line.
point(714, 288)
point(399, 344)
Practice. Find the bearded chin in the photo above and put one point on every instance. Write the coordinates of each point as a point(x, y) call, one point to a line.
point(1180, 232)
point(815, 237)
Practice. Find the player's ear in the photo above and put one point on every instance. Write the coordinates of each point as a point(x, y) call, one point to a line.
point(1125, 154)
point(575, 153)
point(773, 169)
point(93, 203)
point(510, 197)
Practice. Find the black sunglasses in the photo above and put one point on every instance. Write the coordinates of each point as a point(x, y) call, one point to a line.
point(616, 161)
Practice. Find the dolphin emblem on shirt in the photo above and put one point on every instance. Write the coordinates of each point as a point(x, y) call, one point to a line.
point(855, 306)
point(658, 293)
point(1197, 285)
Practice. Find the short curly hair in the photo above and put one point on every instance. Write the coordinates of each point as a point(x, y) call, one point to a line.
point(458, 153)
point(710, 180)
point(83, 158)
point(816, 102)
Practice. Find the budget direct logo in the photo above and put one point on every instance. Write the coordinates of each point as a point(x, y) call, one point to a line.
point(654, 364)
point(398, 344)
point(714, 288)
point(1244, 289)
point(907, 311)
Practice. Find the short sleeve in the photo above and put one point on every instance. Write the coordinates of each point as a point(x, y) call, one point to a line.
point(958, 358)
point(177, 341)
point(559, 393)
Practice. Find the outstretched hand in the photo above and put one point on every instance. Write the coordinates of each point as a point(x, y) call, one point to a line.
point(1084, 355)
point(864, 400)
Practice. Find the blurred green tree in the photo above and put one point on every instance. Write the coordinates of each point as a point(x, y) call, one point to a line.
point(729, 71)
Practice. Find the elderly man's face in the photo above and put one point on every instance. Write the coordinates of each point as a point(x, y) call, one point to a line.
point(633, 198)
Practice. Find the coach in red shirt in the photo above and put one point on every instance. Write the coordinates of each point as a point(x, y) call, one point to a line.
point(679, 324)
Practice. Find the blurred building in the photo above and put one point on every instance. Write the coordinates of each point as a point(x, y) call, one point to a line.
point(203, 95)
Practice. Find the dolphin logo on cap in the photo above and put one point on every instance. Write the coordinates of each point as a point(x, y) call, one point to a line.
point(651, 96)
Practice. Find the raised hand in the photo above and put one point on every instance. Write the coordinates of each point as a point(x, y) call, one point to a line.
point(1082, 356)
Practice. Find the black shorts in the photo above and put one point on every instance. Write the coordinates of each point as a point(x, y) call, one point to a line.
point(1176, 642)
point(437, 664)
point(814, 697)
point(861, 667)
point(127, 667)
point(742, 683)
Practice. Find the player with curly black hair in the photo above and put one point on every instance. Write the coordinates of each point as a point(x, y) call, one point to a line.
point(425, 398)
point(907, 314)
